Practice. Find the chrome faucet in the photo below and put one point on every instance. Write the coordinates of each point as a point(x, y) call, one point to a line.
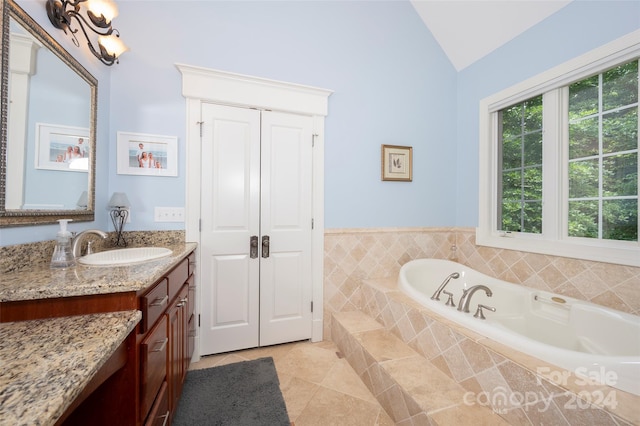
point(436, 294)
point(76, 242)
point(465, 300)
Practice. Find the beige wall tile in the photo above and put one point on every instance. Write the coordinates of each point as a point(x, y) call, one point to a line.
point(383, 346)
point(342, 378)
point(429, 387)
point(468, 415)
point(362, 254)
point(477, 356)
point(457, 362)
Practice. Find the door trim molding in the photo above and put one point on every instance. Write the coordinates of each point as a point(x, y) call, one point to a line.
point(202, 85)
point(227, 88)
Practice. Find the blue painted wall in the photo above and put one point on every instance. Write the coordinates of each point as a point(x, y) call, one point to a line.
point(392, 85)
point(574, 30)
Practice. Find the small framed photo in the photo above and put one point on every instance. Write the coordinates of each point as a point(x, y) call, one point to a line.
point(63, 148)
point(149, 155)
point(397, 163)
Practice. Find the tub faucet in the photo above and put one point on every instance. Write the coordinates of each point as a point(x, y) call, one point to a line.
point(465, 300)
point(436, 294)
point(76, 242)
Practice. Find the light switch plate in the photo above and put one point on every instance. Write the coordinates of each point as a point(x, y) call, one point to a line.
point(169, 214)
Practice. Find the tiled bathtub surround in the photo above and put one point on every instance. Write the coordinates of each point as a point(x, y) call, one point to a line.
point(353, 255)
point(488, 370)
point(521, 389)
point(411, 390)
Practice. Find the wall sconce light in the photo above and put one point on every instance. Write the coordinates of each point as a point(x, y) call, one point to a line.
point(99, 14)
point(119, 206)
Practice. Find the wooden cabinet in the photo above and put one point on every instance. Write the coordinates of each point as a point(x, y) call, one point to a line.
point(146, 385)
point(163, 372)
point(159, 415)
point(154, 351)
point(153, 304)
point(178, 363)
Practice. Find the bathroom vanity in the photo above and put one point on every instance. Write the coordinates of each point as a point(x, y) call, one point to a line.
point(132, 375)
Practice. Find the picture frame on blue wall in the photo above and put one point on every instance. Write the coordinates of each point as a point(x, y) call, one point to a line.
point(62, 148)
point(397, 163)
point(147, 155)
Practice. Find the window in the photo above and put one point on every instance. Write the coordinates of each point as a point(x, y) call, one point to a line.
point(559, 160)
point(520, 144)
point(603, 155)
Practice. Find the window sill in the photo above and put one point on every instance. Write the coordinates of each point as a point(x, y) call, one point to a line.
point(629, 256)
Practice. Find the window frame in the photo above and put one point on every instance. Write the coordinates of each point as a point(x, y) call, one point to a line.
point(553, 85)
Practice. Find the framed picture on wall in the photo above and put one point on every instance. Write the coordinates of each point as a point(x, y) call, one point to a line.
point(397, 163)
point(149, 155)
point(63, 148)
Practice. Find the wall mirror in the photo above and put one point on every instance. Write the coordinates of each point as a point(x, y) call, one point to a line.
point(48, 126)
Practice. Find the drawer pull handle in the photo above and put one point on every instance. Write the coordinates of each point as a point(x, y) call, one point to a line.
point(159, 302)
point(163, 345)
point(166, 418)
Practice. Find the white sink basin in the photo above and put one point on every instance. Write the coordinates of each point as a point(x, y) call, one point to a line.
point(124, 256)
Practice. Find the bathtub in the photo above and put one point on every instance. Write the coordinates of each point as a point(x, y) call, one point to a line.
point(592, 341)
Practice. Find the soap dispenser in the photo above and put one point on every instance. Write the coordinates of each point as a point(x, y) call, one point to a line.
point(62, 254)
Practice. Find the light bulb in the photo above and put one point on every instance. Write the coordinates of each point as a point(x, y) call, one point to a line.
point(105, 8)
point(112, 45)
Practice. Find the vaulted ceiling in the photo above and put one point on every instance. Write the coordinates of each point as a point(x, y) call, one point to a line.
point(467, 30)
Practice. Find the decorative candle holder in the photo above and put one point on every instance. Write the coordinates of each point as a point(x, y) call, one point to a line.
point(119, 206)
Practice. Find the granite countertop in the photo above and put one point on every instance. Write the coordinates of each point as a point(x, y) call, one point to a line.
point(46, 363)
point(45, 283)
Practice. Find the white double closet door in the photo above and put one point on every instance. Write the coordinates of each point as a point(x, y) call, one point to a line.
point(256, 223)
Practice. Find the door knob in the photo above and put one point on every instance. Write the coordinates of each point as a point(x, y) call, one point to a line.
point(265, 246)
point(253, 247)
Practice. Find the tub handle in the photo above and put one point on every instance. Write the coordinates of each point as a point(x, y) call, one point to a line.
point(480, 314)
point(450, 301)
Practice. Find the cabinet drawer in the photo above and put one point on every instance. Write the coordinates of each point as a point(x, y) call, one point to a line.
point(153, 359)
point(159, 415)
point(177, 278)
point(153, 304)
